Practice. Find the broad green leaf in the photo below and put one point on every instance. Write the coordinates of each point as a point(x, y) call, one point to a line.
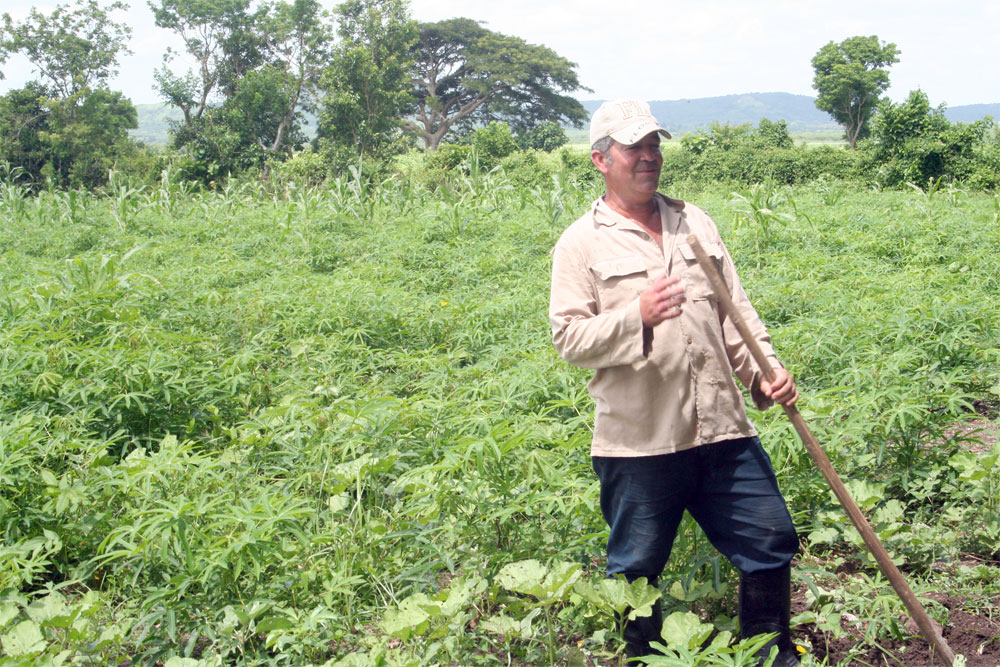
point(272, 623)
point(640, 596)
point(890, 512)
point(8, 612)
point(525, 576)
point(24, 640)
point(605, 594)
point(865, 494)
point(530, 577)
point(460, 595)
point(827, 535)
point(339, 502)
point(411, 618)
point(502, 625)
point(684, 629)
point(52, 606)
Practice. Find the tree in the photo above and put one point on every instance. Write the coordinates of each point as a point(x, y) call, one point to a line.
point(258, 68)
point(214, 34)
point(913, 142)
point(72, 49)
point(244, 130)
point(72, 142)
point(68, 127)
point(367, 82)
point(300, 40)
point(546, 136)
point(465, 75)
point(24, 125)
point(850, 78)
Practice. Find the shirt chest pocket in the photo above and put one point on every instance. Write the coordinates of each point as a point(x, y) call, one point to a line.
point(696, 283)
point(619, 281)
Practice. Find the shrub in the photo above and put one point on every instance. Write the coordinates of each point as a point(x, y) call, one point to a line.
point(493, 143)
point(912, 142)
point(526, 169)
point(546, 137)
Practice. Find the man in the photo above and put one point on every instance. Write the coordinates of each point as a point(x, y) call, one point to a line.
point(630, 301)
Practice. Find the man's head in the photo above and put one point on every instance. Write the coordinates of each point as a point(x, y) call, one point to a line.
point(625, 121)
point(625, 141)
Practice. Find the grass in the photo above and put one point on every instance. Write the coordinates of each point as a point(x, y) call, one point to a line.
point(326, 426)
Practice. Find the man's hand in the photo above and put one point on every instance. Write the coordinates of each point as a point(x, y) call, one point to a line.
point(782, 391)
point(661, 301)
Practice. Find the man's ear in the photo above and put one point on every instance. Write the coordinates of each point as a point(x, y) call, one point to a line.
point(600, 161)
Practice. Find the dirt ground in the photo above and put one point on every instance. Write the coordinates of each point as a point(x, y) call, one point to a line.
point(975, 637)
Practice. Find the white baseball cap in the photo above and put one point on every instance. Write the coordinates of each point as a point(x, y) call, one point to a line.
point(626, 121)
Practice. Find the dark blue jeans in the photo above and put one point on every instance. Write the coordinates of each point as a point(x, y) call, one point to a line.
point(728, 487)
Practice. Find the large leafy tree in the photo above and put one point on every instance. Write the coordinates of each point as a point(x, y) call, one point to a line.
point(465, 75)
point(367, 84)
point(850, 78)
point(73, 48)
point(67, 126)
point(222, 38)
point(258, 69)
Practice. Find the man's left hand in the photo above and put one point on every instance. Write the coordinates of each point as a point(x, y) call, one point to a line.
point(782, 390)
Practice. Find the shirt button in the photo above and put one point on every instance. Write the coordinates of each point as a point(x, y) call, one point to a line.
point(690, 341)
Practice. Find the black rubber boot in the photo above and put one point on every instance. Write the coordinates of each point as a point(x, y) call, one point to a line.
point(765, 600)
point(640, 631)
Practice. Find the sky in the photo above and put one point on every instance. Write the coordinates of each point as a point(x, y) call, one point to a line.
point(673, 50)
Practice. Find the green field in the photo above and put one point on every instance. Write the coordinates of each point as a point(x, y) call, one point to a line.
point(266, 426)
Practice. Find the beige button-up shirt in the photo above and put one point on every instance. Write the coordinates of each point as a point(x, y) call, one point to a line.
point(670, 388)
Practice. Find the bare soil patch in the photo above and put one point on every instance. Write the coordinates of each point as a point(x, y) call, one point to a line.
point(975, 637)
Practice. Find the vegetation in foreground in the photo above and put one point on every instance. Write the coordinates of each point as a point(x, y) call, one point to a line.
point(281, 425)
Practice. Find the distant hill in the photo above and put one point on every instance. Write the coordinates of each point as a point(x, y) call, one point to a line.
point(154, 122)
point(799, 111)
point(678, 116)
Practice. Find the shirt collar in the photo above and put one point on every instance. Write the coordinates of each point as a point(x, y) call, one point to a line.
point(607, 216)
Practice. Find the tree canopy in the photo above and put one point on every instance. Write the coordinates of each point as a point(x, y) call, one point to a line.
point(258, 70)
point(366, 85)
point(850, 79)
point(72, 48)
point(66, 126)
point(465, 75)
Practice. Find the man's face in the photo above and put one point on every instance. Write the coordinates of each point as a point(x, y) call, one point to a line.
point(633, 171)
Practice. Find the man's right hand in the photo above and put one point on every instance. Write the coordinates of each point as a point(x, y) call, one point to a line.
point(661, 301)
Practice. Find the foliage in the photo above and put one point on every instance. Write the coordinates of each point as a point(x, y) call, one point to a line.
point(547, 136)
point(73, 50)
point(299, 424)
point(72, 142)
point(492, 142)
point(850, 77)
point(366, 84)
point(219, 36)
point(68, 128)
point(264, 63)
point(465, 75)
point(241, 133)
point(912, 142)
point(747, 155)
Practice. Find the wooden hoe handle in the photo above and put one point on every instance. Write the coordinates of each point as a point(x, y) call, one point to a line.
point(889, 569)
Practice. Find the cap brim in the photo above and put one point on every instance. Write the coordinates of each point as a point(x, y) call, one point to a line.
point(634, 133)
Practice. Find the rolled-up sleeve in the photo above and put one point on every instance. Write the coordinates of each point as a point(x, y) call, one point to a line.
point(583, 335)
